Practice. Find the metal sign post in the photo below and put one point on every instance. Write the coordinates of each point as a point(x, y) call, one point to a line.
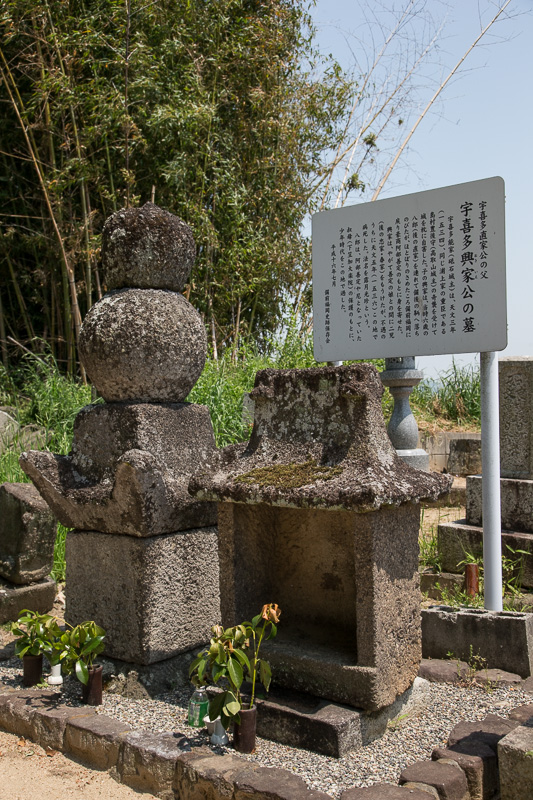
point(490, 487)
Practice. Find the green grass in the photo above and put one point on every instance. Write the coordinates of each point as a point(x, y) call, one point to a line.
point(454, 397)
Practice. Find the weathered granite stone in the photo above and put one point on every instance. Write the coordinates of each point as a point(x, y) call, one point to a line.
point(439, 670)
point(448, 779)
point(27, 534)
point(489, 731)
point(145, 345)
point(38, 596)
point(516, 420)
point(260, 783)
point(146, 248)
point(384, 791)
point(454, 539)
point(148, 761)
point(95, 740)
point(523, 715)
point(465, 456)
point(515, 756)
point(155, 596)
point(479, 764)
point(503, 638)
point(516, 503)
point(39, 715)
point(129, 469)
point(294, 527)
point(319, 441)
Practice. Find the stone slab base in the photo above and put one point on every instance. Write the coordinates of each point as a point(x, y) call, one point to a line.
point(155, 596)
point(300, 720)
point(455, 539)
point(516, 503)
point(516, 764)
point(504, 639)
point(38, 596)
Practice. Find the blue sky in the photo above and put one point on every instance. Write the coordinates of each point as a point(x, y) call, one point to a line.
point(481, 127)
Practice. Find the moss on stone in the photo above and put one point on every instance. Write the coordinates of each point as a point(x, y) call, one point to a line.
point(289, 476)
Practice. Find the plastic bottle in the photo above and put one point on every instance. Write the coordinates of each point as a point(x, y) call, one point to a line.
point(198, 707)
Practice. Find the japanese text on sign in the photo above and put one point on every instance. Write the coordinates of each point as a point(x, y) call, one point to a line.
point(415, 275)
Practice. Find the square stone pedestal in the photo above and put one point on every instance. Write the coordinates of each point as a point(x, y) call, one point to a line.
point(155, 596)
point(348, 587)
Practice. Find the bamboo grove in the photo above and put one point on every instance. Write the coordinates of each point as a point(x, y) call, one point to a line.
point(213, 109)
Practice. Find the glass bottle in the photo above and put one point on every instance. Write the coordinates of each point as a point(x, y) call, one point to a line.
point(198, 707)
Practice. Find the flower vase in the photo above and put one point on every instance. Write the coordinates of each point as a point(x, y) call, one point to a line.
point(32, 669)
point(55, 678)
point(244, 730)
point(91, 692)
point(215, 729)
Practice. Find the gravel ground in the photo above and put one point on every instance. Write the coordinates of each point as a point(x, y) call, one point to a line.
point(407, 740)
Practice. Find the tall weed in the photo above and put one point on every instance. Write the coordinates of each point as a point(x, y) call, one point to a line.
point(455, 396)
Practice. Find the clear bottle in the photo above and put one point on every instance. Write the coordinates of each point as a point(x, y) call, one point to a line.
point(198, 707)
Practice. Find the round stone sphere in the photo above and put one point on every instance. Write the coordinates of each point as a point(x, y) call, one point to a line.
point(146, 248)
point(143, 345)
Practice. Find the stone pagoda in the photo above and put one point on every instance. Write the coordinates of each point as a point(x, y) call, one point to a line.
point(142, 558)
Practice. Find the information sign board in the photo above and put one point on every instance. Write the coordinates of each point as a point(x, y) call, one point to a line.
point(420, 274)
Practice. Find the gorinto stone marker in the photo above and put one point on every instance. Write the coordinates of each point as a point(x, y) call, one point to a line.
point(421, 274)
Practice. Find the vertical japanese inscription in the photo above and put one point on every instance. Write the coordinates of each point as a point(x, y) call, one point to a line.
point(412, 273)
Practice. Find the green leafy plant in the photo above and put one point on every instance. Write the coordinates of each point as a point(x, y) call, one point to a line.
point(79, 646)
point(232, 656)
point(37, 633)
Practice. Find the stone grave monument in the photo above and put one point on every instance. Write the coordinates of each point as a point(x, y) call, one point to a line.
point(319, 514)
point(142, 558)
point(455, 539)
point(27, 536)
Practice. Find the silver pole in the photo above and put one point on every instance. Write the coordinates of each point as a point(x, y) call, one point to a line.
point(490, 462)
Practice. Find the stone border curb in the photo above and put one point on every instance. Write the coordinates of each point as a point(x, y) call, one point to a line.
point(169, 766)
point(164, 764)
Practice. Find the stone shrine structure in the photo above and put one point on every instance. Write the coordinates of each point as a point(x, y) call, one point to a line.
point(142, 559)
point(516, 482)
point(27, 535)
point(319, 514)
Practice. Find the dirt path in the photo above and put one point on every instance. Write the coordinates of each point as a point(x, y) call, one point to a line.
point(27, 771)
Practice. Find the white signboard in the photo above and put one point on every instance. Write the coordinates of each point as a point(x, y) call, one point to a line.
point(416, 275)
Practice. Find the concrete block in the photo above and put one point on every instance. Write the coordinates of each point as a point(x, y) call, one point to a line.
point(516, 503)
point(38, 596)
point(27, 534)
point(95, 740)
point(516, 419)
point(155, 597)
point(515, 754)
point(147, 761)
point(504, 639)
point(456, 539)
point(448, 779)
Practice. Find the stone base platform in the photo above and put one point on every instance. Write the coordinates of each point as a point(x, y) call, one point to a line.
point(300, 720)
point(138, 590)
point(37, 596)
point(455, 539)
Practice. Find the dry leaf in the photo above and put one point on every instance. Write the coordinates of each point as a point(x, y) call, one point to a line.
point(50, 752)
point(21, 743)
